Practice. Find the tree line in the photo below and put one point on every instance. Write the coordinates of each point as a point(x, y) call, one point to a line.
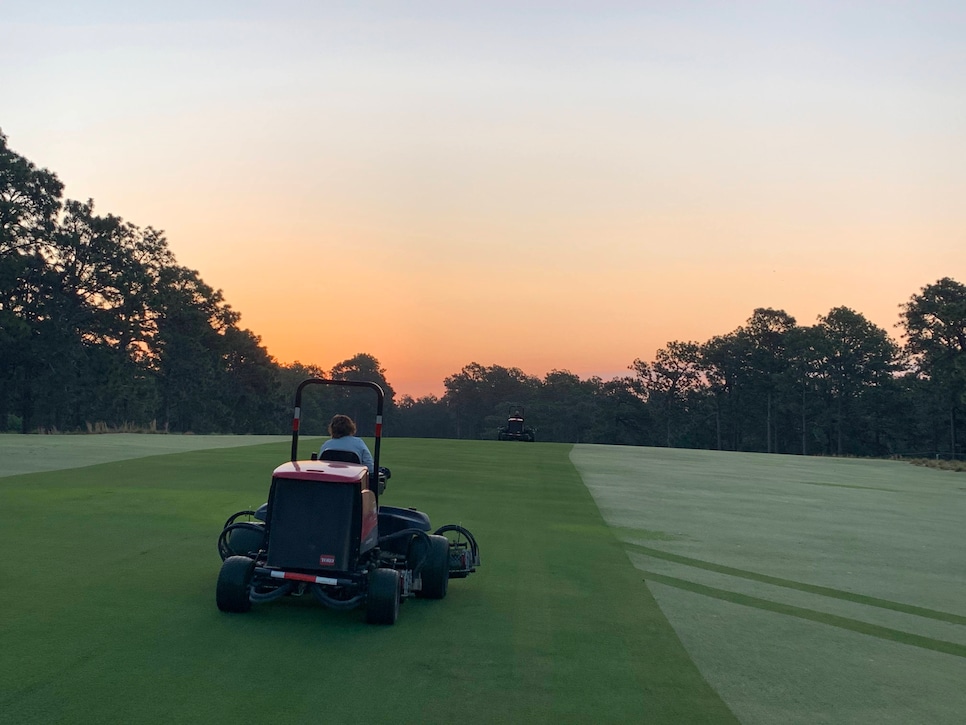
point(101, 328)
point(841, 386)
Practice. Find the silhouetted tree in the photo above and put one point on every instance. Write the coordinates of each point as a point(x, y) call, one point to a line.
point(669, 380)
point(935, 328)
point(859, 359)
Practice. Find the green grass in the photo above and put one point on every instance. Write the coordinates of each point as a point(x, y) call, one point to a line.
point(32, 453)
point(109, 615)
point(807, 590)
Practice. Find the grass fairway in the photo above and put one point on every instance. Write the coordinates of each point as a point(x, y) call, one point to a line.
point(31, 453)
point(807, 590)
point(109, 614)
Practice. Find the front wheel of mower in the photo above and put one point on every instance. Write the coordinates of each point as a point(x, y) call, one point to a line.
point(382, 599)
point(234, 582)
point(435, 571)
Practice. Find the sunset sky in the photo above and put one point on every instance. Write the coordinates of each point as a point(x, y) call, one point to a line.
point(564, 185)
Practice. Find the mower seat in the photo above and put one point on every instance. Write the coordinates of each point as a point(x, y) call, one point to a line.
point(350, 457)
point(341, 456)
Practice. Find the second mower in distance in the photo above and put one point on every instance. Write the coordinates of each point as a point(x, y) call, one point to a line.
point(515, 428)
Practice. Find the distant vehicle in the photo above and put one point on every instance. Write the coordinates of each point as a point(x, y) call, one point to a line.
point(515, 430)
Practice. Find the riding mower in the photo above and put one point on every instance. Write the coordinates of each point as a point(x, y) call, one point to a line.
point(514, 429)
point(324, 531)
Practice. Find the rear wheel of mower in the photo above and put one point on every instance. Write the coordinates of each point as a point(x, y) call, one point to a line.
point(234, 581)
point(435, 571)
point(382, 600)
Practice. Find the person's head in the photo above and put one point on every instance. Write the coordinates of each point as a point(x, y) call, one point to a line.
point(341, 425)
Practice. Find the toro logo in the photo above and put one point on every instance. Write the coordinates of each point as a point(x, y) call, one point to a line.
point(326, 560)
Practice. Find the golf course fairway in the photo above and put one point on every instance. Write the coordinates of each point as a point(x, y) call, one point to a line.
point(807, 590)
point(109, 613)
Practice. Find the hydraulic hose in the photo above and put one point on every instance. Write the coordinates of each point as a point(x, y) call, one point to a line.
point(418, 533)
point(224, 548)
point(332, 602)
point(470, 539)
point(272, 594)
point(231, 519)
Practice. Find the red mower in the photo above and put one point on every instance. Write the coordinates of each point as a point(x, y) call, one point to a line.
point(323, 531)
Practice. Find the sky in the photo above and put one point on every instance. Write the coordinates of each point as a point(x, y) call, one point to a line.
point(548, 186)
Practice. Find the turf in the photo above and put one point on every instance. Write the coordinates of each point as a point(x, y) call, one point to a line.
point(807, 590)
point(109, 614)
point(31, 453)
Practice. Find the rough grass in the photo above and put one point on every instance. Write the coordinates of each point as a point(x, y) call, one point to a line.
point(938, 463)
point(109, 615)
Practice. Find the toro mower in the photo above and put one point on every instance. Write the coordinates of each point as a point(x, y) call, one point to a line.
point(514, 430)
point(324, 532)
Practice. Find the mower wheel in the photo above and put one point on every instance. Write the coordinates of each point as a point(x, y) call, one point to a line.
point(382, 599)
point(435, 571)
point(234, 581)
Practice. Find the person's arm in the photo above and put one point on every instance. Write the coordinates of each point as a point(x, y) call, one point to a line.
point(367, 457)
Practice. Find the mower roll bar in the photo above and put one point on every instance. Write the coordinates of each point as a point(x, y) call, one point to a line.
point(380, 396)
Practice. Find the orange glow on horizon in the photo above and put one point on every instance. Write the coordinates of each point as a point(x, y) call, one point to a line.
point(433, 190)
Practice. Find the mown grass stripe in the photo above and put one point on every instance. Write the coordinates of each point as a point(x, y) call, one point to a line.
point(849, 485)
point(834, 620)
point(800, 586)
point(114, 609)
